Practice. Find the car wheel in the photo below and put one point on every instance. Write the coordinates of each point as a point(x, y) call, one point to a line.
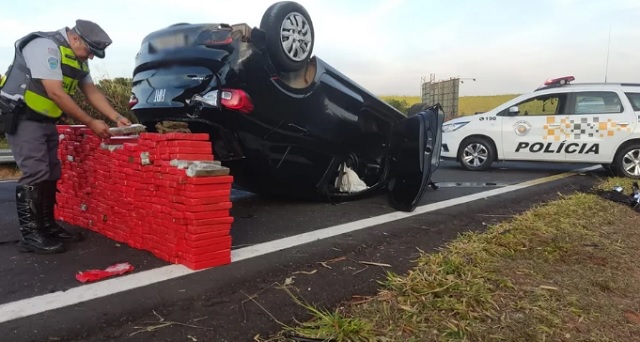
point(627, 161)
point(476, 154)
point(289, 35)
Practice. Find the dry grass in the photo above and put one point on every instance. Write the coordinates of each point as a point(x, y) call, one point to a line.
point(563, 271)
point(9, 171)
point(467, 105)
point(408, 99)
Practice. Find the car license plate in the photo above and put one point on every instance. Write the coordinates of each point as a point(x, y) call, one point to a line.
point(169, 42)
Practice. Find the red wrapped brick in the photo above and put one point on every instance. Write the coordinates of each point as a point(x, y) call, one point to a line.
point(189, 255)
point(195, 232)
point(222, 260)
point(121, 188)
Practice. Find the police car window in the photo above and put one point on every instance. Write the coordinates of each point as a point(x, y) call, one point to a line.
point(597, 102)
point(634, 98)
point(549, 104)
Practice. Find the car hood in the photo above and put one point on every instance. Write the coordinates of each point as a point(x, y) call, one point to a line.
point(460, 119)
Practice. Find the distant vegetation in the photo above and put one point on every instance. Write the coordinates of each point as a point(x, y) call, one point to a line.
point(118, 91)
point(467, 105)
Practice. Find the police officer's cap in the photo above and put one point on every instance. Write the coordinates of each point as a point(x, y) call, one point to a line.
point(93, 35)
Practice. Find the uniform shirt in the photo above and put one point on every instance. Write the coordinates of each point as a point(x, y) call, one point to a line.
point(42, 57)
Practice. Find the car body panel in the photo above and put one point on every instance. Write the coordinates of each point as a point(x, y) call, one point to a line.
point(604, 126)
point(572, 135)
point(303, 126)
point(415, 150)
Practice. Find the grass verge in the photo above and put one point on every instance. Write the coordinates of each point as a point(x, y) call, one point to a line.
point(9, 171)
point(564, 271)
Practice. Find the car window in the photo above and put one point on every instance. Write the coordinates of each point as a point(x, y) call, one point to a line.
point(549, 104)
point(597, 102)
point(634, 98)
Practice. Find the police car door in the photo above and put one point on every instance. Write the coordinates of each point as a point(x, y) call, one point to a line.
point(526, 128)
point(596, 124)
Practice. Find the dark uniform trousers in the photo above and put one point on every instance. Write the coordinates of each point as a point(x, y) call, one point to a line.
point(35, 149)
point(34, 145)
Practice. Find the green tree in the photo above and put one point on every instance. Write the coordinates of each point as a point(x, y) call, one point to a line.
point(117, 91)
point(400, 105)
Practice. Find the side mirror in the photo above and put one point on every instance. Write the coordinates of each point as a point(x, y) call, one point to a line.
point(514, 110)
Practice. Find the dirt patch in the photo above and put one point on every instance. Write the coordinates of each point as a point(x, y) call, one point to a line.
point(9, 172)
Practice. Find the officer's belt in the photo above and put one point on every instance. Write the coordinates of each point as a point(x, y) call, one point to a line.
point(23, 111)
point(31, 115)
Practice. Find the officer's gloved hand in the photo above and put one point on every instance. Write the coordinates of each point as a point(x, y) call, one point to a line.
point(100, 128)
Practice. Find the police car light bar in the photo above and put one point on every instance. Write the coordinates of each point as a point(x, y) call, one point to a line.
point(559, 81)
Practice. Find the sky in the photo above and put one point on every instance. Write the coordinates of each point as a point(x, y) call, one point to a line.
point(387, 46)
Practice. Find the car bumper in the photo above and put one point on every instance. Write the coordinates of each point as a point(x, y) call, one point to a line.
point(449, 146)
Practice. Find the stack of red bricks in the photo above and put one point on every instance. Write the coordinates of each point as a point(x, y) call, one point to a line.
point(133, 190)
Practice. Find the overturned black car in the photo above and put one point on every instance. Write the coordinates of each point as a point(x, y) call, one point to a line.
point(284, 121)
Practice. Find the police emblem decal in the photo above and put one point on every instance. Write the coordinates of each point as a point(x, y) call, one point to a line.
point(522, 127)
point(53, 63)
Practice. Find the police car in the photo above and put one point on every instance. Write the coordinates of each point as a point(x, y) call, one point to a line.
point(558, 122)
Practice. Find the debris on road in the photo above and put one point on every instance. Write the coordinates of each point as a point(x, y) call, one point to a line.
point(326, 263)
point(163, 324)
point(616, 194)
point(113, 270)
point(373, 264)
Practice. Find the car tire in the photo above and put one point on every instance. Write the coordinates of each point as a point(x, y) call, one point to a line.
point(627, 161)
point(476, 154)
point(289, 35)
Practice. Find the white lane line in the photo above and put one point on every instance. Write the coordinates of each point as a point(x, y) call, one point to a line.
point(56, 300)
point(296, 240)
point(39, 304)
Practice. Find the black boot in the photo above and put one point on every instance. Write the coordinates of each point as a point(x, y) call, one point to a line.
point(29, 204)
point(49, 224)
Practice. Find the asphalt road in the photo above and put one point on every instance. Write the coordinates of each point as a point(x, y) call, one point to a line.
point(257, 220)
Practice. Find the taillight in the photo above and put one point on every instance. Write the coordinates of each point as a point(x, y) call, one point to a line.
point(133, 100)
point(236, 99)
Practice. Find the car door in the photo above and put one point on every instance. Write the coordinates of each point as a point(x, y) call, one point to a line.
point(597, 123)
point(414, 155)
point(529, 128)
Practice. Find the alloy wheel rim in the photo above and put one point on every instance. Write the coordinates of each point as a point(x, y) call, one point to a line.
point(295, 36)
point(631, 162)
point(475, 155)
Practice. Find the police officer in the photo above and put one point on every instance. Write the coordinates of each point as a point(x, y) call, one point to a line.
point(47, 69)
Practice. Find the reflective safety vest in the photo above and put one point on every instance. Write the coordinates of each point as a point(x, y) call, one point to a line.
point(19, 82)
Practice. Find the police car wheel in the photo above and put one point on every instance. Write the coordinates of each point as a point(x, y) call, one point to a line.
point(627, 161)
point(476, 154)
